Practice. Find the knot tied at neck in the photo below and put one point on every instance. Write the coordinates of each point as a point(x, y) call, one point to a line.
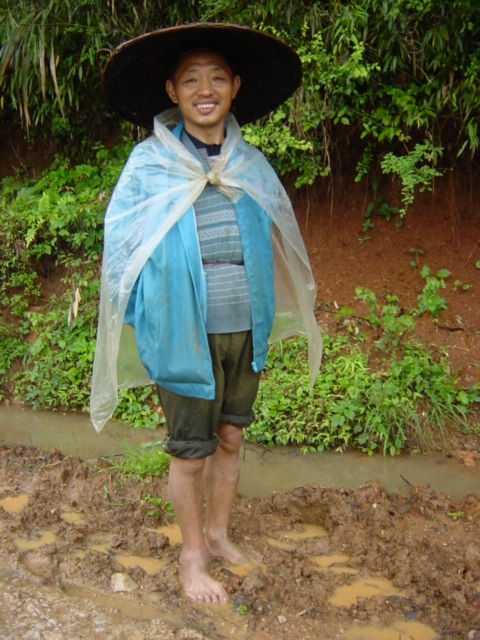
point(213, 177)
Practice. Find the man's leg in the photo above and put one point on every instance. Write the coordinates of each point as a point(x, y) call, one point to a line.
point(220, 480)
point(186, 496)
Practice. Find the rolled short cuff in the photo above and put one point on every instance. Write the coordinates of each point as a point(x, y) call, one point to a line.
point(191, 448)
point(237, 421)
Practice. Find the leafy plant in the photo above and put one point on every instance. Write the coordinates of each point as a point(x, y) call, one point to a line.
point(429, 301)
point(61, 213)
point(387, 409)
point(57, 364)
point(12, 347)
point(138, 407)
point(411, 173)
point(378, 206)
point(390, 319)
point(458, 285)
point(160, 509)
point(143, 463)
point(456, 515)
point(242, 609)
point(416, 253)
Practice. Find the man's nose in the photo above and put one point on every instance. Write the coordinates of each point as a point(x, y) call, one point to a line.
point(205, 86)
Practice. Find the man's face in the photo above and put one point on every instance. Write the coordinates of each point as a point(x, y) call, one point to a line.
point(203, 87)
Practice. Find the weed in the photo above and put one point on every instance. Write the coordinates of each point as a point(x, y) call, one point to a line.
point(352, 405)
point(429, 301)
point(456, 515)
point(378, 206)
point(144, 463)
point(389, 318)
point(138, 407)
point(458, 285)
point(416, 169)
point(416, 253)
point(158, 508)
point(12, 347)
point(242, 610)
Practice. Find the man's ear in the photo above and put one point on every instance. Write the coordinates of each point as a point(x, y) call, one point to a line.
point(237, 81)
point(170, 89)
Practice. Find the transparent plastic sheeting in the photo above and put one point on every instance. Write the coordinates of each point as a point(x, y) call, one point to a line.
point(160, 182)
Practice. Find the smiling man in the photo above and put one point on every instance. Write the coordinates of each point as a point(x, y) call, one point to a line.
point(203, 86)
point(203, 265)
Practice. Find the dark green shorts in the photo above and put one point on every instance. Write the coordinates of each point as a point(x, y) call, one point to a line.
point(191, 422)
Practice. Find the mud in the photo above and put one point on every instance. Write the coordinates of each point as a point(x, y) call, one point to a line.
point(337, 563)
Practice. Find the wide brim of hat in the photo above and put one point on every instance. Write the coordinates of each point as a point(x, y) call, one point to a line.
point(133, 80)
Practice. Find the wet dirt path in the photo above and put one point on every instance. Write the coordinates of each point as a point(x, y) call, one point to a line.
point(81, 556)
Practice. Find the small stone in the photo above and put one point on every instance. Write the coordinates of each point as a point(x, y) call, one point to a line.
point(122, 582)
point(282, 619)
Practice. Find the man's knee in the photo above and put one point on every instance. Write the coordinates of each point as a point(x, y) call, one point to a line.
point(230, 437)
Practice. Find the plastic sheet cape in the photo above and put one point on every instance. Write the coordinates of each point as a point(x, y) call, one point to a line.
point(160, 182)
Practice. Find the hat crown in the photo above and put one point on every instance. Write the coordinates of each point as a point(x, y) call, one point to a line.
point(133, 80)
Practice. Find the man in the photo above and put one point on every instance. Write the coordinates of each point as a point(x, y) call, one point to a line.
point(202, 251)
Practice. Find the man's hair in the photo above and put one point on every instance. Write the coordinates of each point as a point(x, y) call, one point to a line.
point(174, 64)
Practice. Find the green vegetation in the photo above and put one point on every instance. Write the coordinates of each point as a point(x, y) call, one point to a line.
point(142, 464)
point(389, 409)
point(159, 508)
point(456, 515)
point(148, 461)
point(393, 78)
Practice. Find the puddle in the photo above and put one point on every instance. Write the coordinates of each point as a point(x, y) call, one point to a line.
point(29, 544)
point(73, 518)
point(242, 570)
point(15, 504)
point(346, 595)
point(307, 531)
point(328, 561)
point(338, 569)
point(263, 471)
point(172, 531)
point(100, 542)
point(333, 564)
point(223, 617)
point(397, 631)
point(280, 544)
point(151, 566)
point(285, 538)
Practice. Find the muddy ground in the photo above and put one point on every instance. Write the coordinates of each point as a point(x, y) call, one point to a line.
point(418, 553)
point(421, 565)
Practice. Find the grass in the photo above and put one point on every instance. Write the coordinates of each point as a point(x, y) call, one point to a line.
point(142, 463)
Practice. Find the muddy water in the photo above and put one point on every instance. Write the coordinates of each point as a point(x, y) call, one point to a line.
point(263, 471)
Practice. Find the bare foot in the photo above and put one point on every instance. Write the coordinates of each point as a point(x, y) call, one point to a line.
point(225, 549)
point(198, 585)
